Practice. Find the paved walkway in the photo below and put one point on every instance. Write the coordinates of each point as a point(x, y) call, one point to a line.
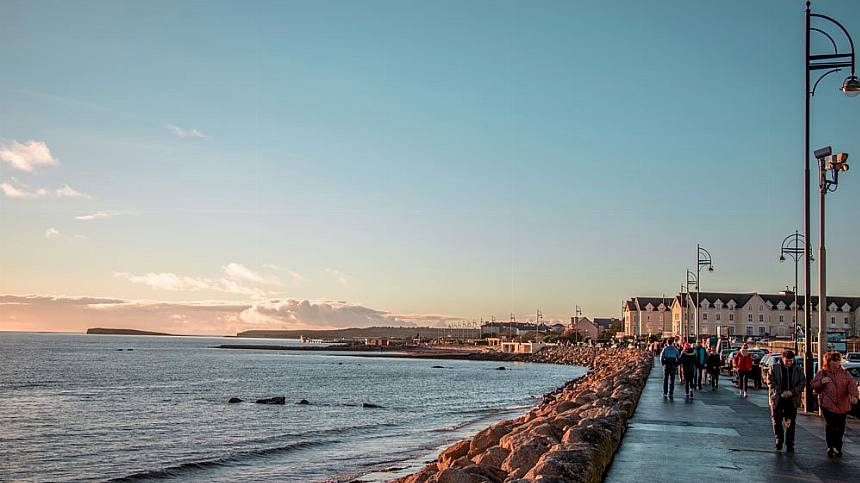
point(720, 437)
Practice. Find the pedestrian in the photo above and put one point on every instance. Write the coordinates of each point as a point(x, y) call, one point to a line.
point(786, 384)
point(688, 366)
point(669, 360)
point(701, 363)
point(713, 367)
point(837, 391)
point(743, 365)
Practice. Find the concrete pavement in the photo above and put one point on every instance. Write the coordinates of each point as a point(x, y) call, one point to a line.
point(719, 437)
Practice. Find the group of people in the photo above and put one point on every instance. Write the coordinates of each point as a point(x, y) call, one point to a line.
point(835, 387)
point(697, 365)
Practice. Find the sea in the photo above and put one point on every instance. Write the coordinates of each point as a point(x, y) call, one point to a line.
point(76, 407)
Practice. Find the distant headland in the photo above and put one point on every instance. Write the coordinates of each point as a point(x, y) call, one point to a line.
point(108, 331)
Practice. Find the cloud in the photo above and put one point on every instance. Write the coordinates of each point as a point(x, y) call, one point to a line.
point(186, 133)
point(52, 233)
point(176, 283)
point(16, 189)
point(68, 192)
point(25, 157)
point(238, 271)
point(99, 215)
point(341, 277)
point(296, 276)
point(66, 313)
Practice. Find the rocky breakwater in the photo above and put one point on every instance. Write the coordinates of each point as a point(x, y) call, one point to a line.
point(571, 437)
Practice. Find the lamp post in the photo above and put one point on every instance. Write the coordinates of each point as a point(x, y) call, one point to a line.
point(692, 279)
point(703, 260)
point(828, 164)
point(851, 87)
point(793, 246)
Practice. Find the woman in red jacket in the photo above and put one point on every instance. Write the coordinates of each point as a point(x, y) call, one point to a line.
point(836, 391)
point(743, 363)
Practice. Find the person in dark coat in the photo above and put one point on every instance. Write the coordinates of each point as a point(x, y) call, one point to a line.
point(713, 366)
point(787, 383)
point(669, 360)
point(688, 367)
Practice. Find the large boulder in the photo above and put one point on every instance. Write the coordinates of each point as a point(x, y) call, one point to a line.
point(453, 453)
point(273, 400)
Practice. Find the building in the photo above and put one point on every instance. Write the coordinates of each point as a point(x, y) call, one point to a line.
point(605, 323)
point(513, 329)
point(645, 316)
point(584, 326)
point(759, 315)
point(523, 347)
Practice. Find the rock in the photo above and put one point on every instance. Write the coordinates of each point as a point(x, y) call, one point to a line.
point(273, 400)
point(234, 400)
point(370, 406)
point(489, 437)
point(303, 401)
point(457, 475)
point(437, 367)
point(494, 456)
point(501, 368)
point(453, 452)
point(522, 459)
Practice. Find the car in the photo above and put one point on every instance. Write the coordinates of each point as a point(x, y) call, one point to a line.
point(767, 362)
point(852, 357)
point(850, 365)
point(855, 372)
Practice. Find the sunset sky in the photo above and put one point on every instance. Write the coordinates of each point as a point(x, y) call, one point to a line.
point(208, 167)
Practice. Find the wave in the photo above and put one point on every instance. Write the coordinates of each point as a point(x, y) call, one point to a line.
point(191, 466)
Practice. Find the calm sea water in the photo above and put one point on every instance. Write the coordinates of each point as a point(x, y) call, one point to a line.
point(73, 408)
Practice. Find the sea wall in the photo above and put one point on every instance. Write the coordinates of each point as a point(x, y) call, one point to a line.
point(571, 437)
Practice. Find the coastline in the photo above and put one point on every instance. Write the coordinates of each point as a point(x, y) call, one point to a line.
point(571, 436)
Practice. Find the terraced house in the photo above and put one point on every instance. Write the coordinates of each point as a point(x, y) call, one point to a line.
point(754, 314)
point(644, 316)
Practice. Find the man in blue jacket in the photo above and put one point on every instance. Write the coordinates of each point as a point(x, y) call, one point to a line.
point(701, 364)
point(669, 360)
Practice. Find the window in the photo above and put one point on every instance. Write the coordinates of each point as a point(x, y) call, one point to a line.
point(761, 317)
point(845, 320)
point(749, 317)
point(705, 316)
point(832, 320)
point(781, 321)
point(749, 330)
point(732, 317)
point(731, 331)
point(761, 330)
point(760, 308)
point(718, 317)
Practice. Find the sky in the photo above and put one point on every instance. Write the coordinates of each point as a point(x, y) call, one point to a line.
point(209, 167)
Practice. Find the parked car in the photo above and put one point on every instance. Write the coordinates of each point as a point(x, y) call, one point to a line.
point(767, 362)
point(852, 357)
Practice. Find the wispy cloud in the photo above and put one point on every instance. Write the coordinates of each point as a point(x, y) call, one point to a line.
point(295, 276)
point(237, 271)
point(99, 215)
point(187, 133)
point(52, 233)
point(177, 283)
point(26, 156)
point(68, 192)
point(341, 277)
point(15, 189)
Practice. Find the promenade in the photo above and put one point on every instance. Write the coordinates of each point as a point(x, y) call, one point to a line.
point(720, 437)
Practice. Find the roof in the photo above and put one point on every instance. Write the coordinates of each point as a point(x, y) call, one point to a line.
point(742, 299)
point(605, 322)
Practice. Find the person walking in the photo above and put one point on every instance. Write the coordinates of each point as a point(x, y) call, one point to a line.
point(837, 391)
point(786, 384)
point(713, 366)
point(742, 363)
point(701, 364)
point(669, 360)
point(688, 367)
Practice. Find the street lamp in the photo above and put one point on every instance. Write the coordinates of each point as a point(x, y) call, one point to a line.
point(793, 246)
point(703, 260)
point(692, 280)
point(851, 87)
point(828, 164)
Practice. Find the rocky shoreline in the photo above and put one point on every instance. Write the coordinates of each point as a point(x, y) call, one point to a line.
point(571, 437)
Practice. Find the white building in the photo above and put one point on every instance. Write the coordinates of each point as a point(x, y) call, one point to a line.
point(644, 316)
point(754, 314)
